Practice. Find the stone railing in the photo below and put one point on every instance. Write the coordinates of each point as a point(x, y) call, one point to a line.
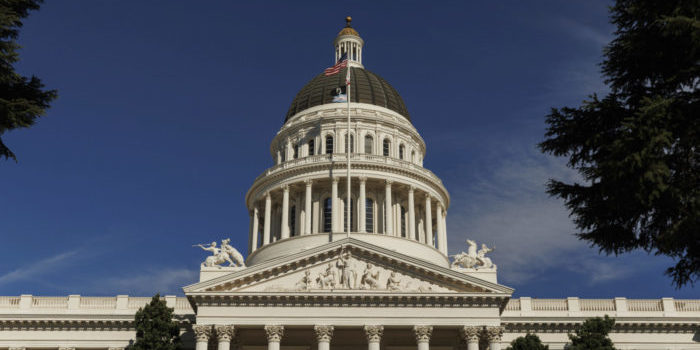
point(355, 157)
point(120, 304)
point(620, 307)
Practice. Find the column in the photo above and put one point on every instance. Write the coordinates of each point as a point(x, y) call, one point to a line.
point(334, 206)
point(470, 335)
point(494, 334)
point(387, 209)
point(323, 335)
point(250, 232)
point(443, 226)
point(274, 336)
point(423, 334)
point(268, 218)
point(411, 214)
point(374, 336)
point(361, 206)
point(440, 238)
point(256, 228)
point(224, 334)
point(284, 223)
point(201, 336)
point(307, 208)
point(428, 221)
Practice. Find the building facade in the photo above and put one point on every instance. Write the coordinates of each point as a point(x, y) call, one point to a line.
point(347, 250)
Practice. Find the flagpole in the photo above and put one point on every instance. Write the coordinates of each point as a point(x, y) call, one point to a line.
point(349, 198)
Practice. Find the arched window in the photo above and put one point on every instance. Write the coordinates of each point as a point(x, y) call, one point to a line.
point(402, 148)
point(329, 144)
point(369, 215)
point(369, 141)
point(403, 222)
point(413, 156)
point(352, 215)
point(292, 221)
point(296, 151)
point(327, 214)
point(312, 147)
point(387, 146)
point(283, 154)
point(352, 143)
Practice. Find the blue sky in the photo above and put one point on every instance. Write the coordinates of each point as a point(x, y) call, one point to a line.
point(166, 110)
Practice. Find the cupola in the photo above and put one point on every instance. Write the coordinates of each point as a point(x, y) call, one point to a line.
point(349, 41)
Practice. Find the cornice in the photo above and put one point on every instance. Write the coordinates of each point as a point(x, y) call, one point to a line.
point(80, 325)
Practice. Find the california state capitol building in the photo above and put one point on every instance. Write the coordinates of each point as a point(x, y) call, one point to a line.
point(324, 271)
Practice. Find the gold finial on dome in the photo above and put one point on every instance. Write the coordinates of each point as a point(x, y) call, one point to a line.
point(348, 30)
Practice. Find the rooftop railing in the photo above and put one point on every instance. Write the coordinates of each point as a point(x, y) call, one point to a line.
point(613, 307)
point(77, 303)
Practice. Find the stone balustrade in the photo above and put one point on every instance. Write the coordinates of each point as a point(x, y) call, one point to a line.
point(618, 307)
point(119, 304)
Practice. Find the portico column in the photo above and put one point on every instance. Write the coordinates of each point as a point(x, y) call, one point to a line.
point(423, 334)
point(323, 335)
point(388, 208)
point(268, 213)
point(256, 228)
point(284, 224)
point(443, 226)
point(440, 238)
point(494, 334)
point(470, 335)
point(201, 336)
point(274, 336)
point(428, 221)
point(361, 206)
point(334, 205)
point(374, 336)
point(224, 334)
point(411, 215)
point(307, 208)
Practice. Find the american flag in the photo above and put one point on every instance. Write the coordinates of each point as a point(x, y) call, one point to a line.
point(342, 63)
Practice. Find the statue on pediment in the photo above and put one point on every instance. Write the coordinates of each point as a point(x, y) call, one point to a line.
point(394, 282)
point(370, 278)
point(226, 253)
point(327, 278)
point(347, 273)
point(473, 258)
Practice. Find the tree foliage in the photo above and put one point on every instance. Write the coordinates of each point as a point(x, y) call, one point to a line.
point(22, 99)
point(528, 342)
point(155, 328)
point(593, 335)
point(638, 148)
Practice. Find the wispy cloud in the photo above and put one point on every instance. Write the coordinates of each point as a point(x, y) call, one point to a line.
point(148, 282)
point(39, 268)
point(585, 33)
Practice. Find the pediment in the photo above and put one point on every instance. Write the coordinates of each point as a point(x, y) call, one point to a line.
point(347, 266)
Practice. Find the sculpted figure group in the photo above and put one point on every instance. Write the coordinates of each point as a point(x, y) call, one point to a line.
point(473, 258)
point(226, 253)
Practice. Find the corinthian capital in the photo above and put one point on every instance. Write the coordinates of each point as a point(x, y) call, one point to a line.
point(202, 332)
point(470, 334)
point(374, 333)
point(423, 333)
point(274, 333)
point(494, 333)
point(324, 333)
point(225, 333)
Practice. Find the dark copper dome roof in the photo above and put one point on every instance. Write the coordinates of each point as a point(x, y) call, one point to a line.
point(365, 87)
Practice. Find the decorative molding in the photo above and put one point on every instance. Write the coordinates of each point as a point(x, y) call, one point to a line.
point(202, 332)
point(374, 333)
point(470, 334)
point(423, 333)
point(274, 333)
point(620, 327)
point(225, 333)
point(324, 333)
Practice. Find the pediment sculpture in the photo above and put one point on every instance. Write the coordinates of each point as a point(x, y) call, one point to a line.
point(224, 253)
point(473, 258)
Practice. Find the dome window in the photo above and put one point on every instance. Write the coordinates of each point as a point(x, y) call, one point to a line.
point(329, 144)
point(403, 222)
point(369, 215)
point(312, 147)
point(402, 148)
point(352, 143)
point(327, 214)
point(296, 151)
point(387, 147)
point(369, 141)
point(293, 221)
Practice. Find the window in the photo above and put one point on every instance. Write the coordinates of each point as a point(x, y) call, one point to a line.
point(387, 145)
point(402, 148)
point(352, 216)
point(283, 155)
point(352, 143)
point(329, 144)
point(296, 151)
point(403, 222)
point(312, 147)
point(369, 215)
point(327, 214)
point(292, 221)
point(413, 156)
point(369, 141)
